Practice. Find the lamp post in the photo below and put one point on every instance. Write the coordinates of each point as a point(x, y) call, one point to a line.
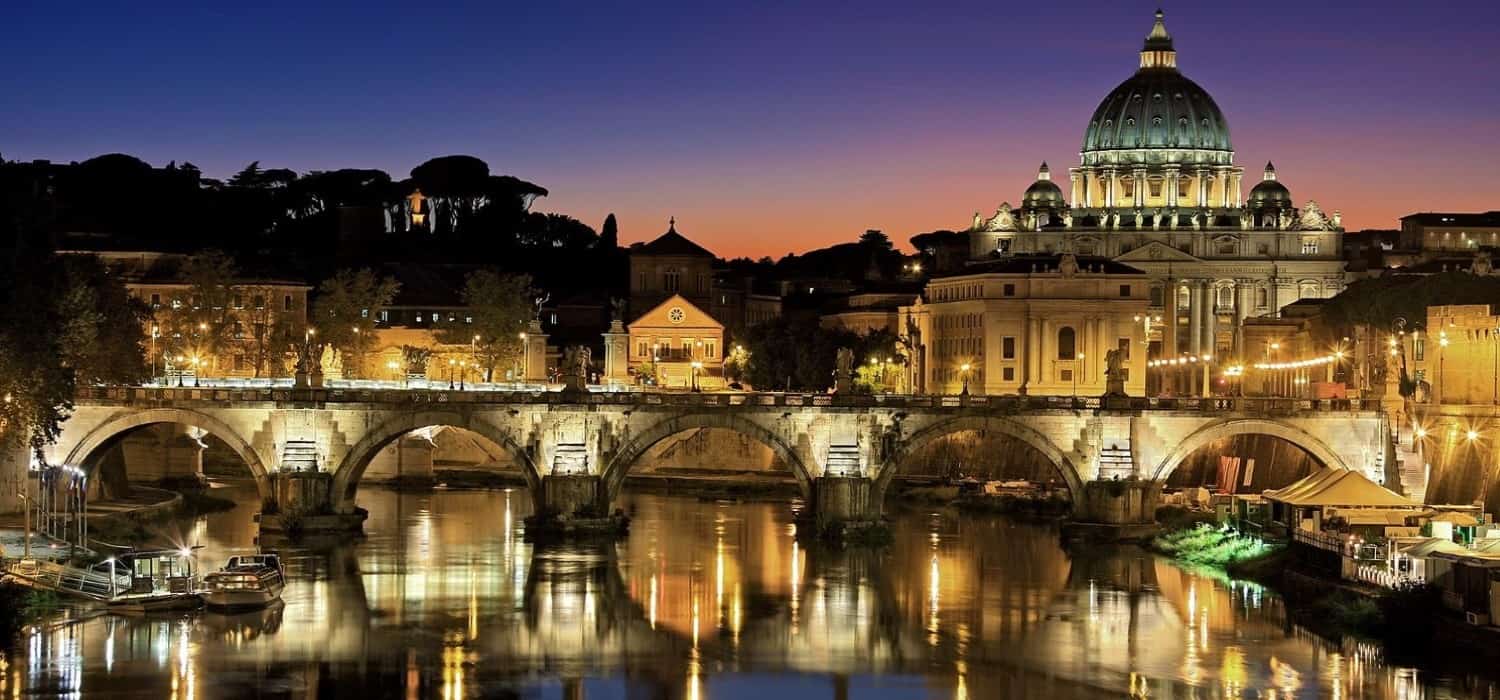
point(474, 355)
point(1442, 356)
point(463, 372)
point(963, 373)
point(359, 353)
point(1077, 368)
point(696, 366)
point(451, 364)
point(197, 364)
point(155, 333)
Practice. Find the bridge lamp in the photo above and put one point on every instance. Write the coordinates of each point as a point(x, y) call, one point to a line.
point(1471, 435)
point(1421, 432)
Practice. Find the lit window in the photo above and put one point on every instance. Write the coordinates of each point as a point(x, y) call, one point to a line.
point(1310, 246)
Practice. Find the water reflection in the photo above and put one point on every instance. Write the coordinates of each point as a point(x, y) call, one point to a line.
point(444, 598)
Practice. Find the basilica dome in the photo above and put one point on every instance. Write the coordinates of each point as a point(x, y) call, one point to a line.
point(1157, 108)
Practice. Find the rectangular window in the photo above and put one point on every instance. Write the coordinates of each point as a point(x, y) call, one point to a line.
point(1310, 246)
point(709, 350)
point(155, 301)
point(643, 281)
point(1124, 290)
point(1008, 374)
point(1008, 347)
point(238, 302)
point(364, 313)
point(640, 349)
point(1263, 249)
point(385, 316)
point(670, 280)
point(286, 303)
point(1420, 349)
point(1010, 290)
point(1065, 375)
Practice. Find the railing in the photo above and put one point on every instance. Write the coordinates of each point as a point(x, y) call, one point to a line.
point(64, 579)
point(993, 404)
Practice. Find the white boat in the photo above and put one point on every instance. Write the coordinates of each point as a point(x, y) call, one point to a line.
point(150, 582)
point(246, 582)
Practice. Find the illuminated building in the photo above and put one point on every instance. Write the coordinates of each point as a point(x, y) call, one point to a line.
point(1157, 188)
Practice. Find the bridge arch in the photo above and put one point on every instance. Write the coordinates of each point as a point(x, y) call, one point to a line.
point(110, 431)
point(636, 445)
point(1319, 450)
point(346, 477)
point(997, 424)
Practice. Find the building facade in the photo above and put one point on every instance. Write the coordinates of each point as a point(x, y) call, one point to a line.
point(671, 265)
point(1029, 324)
point(677, 345)
point(1157, 189)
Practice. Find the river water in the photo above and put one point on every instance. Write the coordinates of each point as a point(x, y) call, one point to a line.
point(444, 598)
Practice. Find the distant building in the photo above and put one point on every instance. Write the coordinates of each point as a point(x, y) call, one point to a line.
point(263, 320)
point(1457, 354)
point(1446, 232)
point(1028, 324)
point(672, 338)
point(671, 265)
point(871, 311)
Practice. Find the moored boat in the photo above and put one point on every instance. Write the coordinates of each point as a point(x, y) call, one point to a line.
point(246, 582)
point(149, 582)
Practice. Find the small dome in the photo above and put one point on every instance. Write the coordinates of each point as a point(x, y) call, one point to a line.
point(1044, 192)
point(1269, 192)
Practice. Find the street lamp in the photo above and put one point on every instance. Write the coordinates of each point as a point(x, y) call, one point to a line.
point(463, 371)
point(155, 333)
point(696, 366)
point(1077, 368)
point(451, 364)
point(964, 374)
point(197, 362)
point(474, 355)
point(1442, 347)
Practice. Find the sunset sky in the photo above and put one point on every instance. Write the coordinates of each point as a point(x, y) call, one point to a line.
point(765, 128)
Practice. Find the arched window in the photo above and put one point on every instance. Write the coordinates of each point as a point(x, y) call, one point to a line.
point(1184, 297)
point(1308, 290)
point(1262, 298)
point(1067, 343)
point(1226, 296)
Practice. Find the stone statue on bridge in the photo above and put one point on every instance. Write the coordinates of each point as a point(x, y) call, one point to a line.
point(1114, 373)
point(843, 373)
point(575, 367)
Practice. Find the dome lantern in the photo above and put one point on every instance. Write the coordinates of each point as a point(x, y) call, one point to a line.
point(1158, 52)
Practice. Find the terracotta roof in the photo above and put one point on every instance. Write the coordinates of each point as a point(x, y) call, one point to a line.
point(673, 243)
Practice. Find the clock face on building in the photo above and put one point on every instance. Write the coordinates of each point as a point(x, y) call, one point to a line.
point(676, 314)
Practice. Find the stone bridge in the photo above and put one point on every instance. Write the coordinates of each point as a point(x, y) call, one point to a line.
point(576, 449)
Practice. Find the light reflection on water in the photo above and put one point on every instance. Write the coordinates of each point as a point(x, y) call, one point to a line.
point(444, 598)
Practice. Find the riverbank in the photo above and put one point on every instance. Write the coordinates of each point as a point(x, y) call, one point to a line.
point(1406, 621)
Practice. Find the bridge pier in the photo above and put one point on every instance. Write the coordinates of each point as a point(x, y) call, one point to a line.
point(1116, 510)
point(843, 506)
point(574, 504)
point(302, 502)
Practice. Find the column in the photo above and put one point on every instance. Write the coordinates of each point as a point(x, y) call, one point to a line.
point(1073, 177)
point(1210, 317)
point(1195, 316)
point(1034, 352)
point(1202, 187)
point(1243, 298)
point(1111, 186)
point(534, 359)
point(1169, 319)
point(1025, 350)
point(1272, 287)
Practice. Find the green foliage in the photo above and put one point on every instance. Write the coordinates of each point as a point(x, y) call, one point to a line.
point(1377, 302)
point(415, 358)
point(346, 308)
point(1213, 546)
point(801, 350)
point(200, 324)
point(500, 305)
point(62, 321)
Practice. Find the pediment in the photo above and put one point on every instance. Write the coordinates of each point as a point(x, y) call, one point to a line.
point(1155, 251)
point(676, 312)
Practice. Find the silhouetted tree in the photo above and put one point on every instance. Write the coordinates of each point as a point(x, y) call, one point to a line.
point(346, 308)
point(500, 306)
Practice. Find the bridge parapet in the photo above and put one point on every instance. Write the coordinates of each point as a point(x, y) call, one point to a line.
point(745, 400)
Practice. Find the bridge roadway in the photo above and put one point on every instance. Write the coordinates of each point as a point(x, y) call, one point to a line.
point(843, 450)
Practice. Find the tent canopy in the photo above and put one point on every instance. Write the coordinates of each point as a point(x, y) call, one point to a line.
point(1339, 488)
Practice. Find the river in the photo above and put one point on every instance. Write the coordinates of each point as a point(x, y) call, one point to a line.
point(444, 598)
